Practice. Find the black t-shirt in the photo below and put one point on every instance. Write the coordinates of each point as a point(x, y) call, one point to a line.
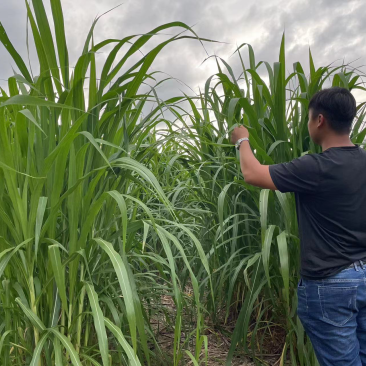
point(330, 193)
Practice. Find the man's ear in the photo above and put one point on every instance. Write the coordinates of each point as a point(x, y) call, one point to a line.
point(321, 120)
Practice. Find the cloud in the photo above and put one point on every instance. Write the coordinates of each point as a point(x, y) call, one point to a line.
point(333, 30)
point(13, 18)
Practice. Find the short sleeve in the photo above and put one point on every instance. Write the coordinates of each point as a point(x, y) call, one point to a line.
point(301, 175)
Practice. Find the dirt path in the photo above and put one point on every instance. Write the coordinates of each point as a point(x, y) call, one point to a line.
point(218, 343)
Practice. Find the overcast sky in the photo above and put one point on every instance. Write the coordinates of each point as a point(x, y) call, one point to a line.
point(334, 29)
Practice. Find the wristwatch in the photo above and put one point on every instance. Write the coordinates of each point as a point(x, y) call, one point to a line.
point(238, 143)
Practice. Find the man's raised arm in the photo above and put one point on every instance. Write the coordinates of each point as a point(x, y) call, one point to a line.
point(253, 171)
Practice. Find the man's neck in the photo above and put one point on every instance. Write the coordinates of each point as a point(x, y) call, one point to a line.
point(337, 141)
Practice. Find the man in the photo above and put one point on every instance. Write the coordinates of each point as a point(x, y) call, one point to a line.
point(330, 193)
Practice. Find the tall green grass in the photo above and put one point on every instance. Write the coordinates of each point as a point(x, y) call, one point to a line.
point(104, 210)
point(88, 235)
point(251, 235)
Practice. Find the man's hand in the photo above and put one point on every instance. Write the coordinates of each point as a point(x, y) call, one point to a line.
point(254, 173)
point(239, 133)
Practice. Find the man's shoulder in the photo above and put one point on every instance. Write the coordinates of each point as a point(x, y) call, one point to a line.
point(308, 158)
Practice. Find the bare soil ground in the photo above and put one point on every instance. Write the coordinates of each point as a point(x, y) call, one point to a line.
point(218, 342)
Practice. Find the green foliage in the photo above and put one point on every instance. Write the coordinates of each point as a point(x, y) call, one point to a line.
point(251, 235)
point(83, 215)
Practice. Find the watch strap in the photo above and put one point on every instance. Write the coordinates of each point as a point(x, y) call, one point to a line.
point(238, 143)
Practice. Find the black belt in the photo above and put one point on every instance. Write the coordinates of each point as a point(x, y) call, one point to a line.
point(361, 263)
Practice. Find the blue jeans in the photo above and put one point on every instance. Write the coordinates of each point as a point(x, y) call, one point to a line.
point(333, 313)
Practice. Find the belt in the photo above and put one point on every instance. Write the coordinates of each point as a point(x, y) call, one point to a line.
point(361, 263)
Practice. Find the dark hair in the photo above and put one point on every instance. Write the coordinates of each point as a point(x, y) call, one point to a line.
point(337, 105)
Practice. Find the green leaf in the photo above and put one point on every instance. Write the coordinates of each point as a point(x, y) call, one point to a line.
point(47, 41)
point(29, 115)
point(14, 54)
point(274, 145)
point(59, 273)
point(39, 220)
point(266, 250)
point(30, 315)
point(37, 351)
point(193, 360)
point(68, 346)
point(134, 361)
point(23, 100)
point(90, 137)
point(61, 40)
point(8, 253)
point(284, 260)
point(118, 197)
point(263, 210)
point(122, 276)
point(98, 322)
point(220, 206)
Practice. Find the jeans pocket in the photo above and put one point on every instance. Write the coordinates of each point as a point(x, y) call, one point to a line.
point(302, 301)
point(337, 303)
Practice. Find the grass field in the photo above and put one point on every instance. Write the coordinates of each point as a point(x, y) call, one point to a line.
point(118, 227)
